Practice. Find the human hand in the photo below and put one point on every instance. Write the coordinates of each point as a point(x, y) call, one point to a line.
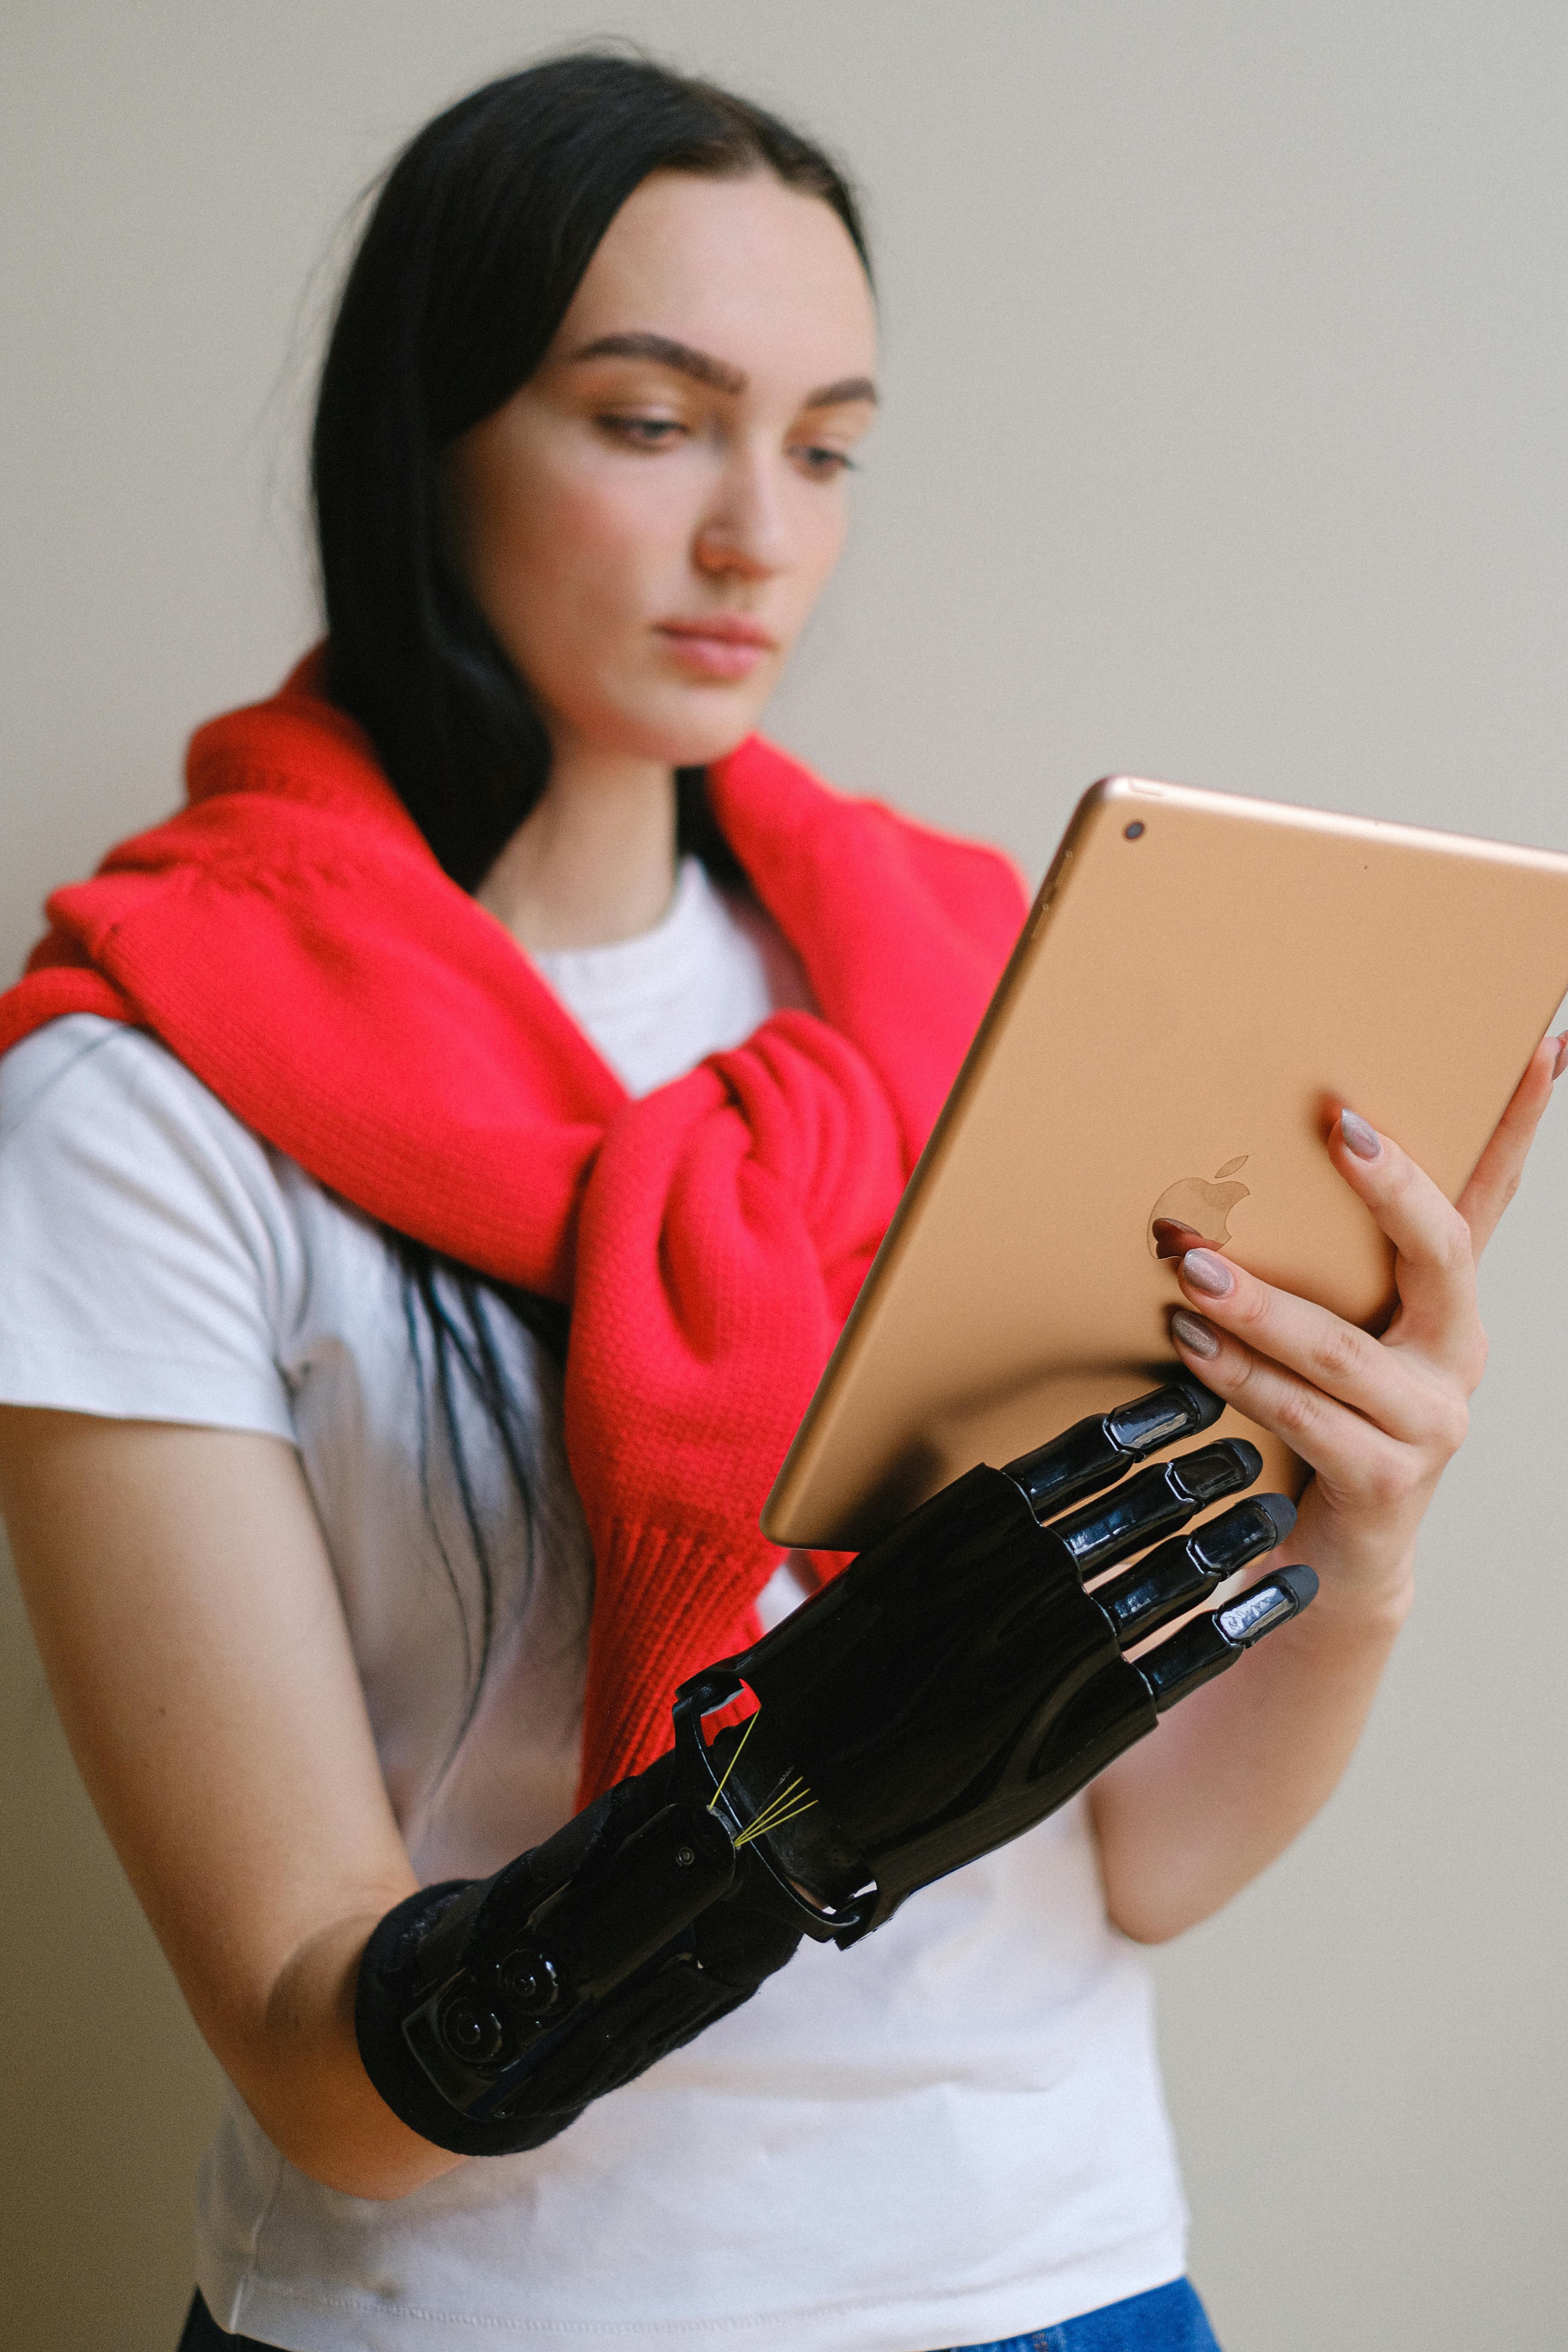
point(1377, 1419)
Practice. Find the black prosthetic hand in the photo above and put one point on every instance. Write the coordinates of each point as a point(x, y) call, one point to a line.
point(965, 1676)
point(951, 1688)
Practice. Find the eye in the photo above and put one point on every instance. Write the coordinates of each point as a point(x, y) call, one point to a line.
point(821, 464)
point(641, 432)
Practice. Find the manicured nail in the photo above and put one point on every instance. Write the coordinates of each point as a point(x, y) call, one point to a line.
point(1194, 1333)
point(1363, 1140)
point(1208, 1274)
point(1561, 1064)
point(1172, 1238)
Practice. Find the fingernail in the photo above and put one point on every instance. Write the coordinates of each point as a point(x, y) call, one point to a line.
point(1561, 1064)
point(1194, 1333)
point(1208, 1274)
point(1173, 1239)
point(1363, 1140)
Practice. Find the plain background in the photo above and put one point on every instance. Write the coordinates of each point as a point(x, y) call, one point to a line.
point(1225, 440)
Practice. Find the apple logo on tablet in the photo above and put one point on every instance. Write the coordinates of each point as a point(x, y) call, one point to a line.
point(1197, 1209)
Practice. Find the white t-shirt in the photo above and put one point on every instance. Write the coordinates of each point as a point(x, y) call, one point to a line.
point(953, 2133)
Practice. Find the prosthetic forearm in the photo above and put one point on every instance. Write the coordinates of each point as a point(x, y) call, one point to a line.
point(955, 1685)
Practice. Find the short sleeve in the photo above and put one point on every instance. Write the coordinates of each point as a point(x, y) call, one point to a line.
point(148, 1253)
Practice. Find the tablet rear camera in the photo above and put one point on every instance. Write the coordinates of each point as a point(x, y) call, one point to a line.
point(1133, 832)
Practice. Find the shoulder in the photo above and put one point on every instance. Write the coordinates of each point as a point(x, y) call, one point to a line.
point(105, 1132)
point(104, 1086)
point(150, 1256)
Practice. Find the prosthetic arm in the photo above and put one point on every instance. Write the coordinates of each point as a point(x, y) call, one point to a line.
point(956, 1683)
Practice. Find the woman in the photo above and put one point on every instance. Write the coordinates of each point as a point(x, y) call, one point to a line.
point(329, 1099)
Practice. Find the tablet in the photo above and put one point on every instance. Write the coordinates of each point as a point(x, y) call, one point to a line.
point(1202, 981)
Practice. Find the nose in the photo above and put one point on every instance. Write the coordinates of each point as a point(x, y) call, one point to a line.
point(743, 531)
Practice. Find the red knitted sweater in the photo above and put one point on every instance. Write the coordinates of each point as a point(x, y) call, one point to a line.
point(290, 936)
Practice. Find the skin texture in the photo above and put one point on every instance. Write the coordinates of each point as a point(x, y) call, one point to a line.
point(177, 1577)
point(188, 1621)
point(618, 492)
point(1186, 1820)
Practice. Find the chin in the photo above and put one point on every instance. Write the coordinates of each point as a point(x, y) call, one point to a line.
point(695, 737)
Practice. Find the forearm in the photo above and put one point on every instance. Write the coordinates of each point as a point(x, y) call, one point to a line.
point(1189, 1816)
point(296, 2062)
point(275, 2003)
point(187, 1621)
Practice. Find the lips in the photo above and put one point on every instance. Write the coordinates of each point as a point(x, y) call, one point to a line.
point(718, 644)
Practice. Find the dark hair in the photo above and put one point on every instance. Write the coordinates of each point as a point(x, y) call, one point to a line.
point(477, 243)
point(448, 1316)
point(475, 246)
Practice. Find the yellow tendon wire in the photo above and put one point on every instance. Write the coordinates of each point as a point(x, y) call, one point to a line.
point(763, 1826)
point(790, 1801)
point(734, 1759)
point(786, 1795)
point(787, 1806)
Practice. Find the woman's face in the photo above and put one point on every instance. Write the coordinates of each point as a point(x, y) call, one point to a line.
point(647, 522)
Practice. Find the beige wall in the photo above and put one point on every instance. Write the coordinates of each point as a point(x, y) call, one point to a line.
point(1225, 348)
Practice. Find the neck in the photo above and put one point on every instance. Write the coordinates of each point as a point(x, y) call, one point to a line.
point(594, 862)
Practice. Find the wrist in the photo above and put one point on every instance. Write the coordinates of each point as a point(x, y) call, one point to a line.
point(1366, 1604)
point(1366, 1572)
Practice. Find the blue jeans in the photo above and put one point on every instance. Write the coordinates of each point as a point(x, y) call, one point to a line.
point(1170, 2319)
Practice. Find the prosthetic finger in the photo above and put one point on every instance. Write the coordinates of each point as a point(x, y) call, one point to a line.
point(1209, 1645)
point(1190, 1570)
point(1094, 1453)
point(957, 1682)
point(1154, 1504)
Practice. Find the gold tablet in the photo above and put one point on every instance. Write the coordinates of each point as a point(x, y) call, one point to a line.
point(1202, 983)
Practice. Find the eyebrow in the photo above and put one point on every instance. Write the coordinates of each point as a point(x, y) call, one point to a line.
point(717, 374)
point(836, 395)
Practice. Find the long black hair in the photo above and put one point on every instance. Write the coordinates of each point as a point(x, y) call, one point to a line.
point(473, 251)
